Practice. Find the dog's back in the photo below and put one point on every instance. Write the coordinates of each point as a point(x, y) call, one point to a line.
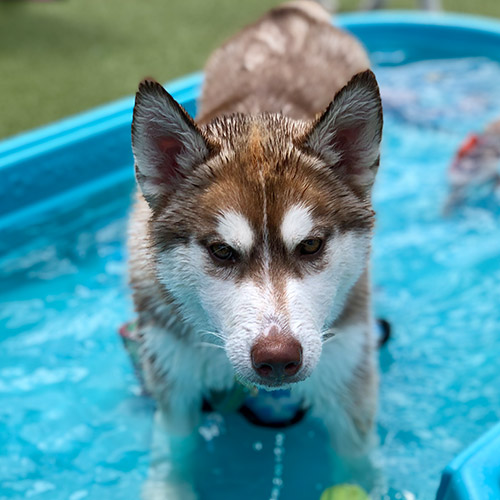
point(291, 61)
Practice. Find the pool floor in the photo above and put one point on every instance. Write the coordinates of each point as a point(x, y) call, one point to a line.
point(74, 424)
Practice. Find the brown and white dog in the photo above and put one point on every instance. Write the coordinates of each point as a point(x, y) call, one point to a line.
point(250, 238)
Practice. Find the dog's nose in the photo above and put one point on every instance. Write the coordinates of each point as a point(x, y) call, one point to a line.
point(276, 355)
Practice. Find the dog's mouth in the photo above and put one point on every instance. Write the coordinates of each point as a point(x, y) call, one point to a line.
point(276, 384)
point(271, 383)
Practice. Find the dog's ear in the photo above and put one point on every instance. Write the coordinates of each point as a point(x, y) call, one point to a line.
point(347, 136)
point(166, 142)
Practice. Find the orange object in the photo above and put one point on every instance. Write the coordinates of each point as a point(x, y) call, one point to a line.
point(469, 144)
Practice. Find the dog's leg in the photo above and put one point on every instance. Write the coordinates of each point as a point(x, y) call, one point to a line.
point(175, 436)
point(352, 440)
point(175, 440)
point(343, 394)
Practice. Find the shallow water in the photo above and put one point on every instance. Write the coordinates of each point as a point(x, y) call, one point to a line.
point(74, 425)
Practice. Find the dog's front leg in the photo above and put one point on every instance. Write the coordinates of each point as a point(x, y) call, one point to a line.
point(352, 444)
point(353, 436)
point(175, 441)
point(351, 448)
point(343, 395)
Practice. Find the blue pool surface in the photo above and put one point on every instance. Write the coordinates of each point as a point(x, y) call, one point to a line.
point(73, 421)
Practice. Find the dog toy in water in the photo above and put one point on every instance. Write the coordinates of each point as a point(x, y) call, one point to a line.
point(344, 492)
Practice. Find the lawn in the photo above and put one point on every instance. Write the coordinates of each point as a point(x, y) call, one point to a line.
point(65, 56)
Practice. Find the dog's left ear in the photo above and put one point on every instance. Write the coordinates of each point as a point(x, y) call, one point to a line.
point(347, 136)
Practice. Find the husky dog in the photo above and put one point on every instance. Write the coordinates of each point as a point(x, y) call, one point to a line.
point(250, 238)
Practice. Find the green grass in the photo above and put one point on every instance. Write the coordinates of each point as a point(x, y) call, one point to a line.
point(61, 57)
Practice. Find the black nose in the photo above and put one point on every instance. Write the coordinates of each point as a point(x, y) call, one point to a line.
point(277, 355)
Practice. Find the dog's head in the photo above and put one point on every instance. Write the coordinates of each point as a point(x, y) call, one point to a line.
point(260, 225)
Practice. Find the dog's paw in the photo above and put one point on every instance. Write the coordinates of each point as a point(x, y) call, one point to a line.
point(166, 490)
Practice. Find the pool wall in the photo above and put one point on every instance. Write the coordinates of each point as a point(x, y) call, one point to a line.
point(90, 153)
point(87, 152)
point(475, 473)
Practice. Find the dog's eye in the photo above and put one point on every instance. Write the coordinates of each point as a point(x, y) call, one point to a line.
point(310, 246)
point(222, 252)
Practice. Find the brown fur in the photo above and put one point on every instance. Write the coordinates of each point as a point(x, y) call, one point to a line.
point(260, 105)
point(263, 144)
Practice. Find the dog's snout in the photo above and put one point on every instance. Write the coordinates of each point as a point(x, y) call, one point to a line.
point(276, 355)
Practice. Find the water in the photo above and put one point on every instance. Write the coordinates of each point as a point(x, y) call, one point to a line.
point(437, 279)
point(73, 422)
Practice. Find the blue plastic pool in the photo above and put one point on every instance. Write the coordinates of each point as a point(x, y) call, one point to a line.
point(73, 423)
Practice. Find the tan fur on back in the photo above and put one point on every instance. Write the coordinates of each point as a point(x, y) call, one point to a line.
point(267, 67)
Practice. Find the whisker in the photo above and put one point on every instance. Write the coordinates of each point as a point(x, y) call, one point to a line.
point(214, 334)
point(219, 339)
point(209, 344)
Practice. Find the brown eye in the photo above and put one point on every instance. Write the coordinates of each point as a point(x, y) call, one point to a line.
point(310, 246)
point(222, 252)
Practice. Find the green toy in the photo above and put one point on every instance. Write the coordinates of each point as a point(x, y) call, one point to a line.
point(344, 492)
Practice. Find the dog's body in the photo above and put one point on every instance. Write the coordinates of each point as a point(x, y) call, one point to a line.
point(252, 232)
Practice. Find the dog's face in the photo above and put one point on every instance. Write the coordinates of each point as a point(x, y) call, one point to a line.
point(260, 225)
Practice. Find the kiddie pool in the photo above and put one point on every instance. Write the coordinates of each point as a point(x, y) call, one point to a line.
point(73, 423)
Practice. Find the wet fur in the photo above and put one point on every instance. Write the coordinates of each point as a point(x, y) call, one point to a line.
point(262, 145)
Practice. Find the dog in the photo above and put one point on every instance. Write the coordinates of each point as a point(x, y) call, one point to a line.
point(251, 233)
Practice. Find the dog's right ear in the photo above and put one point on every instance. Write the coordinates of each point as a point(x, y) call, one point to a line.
point(166, 142)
